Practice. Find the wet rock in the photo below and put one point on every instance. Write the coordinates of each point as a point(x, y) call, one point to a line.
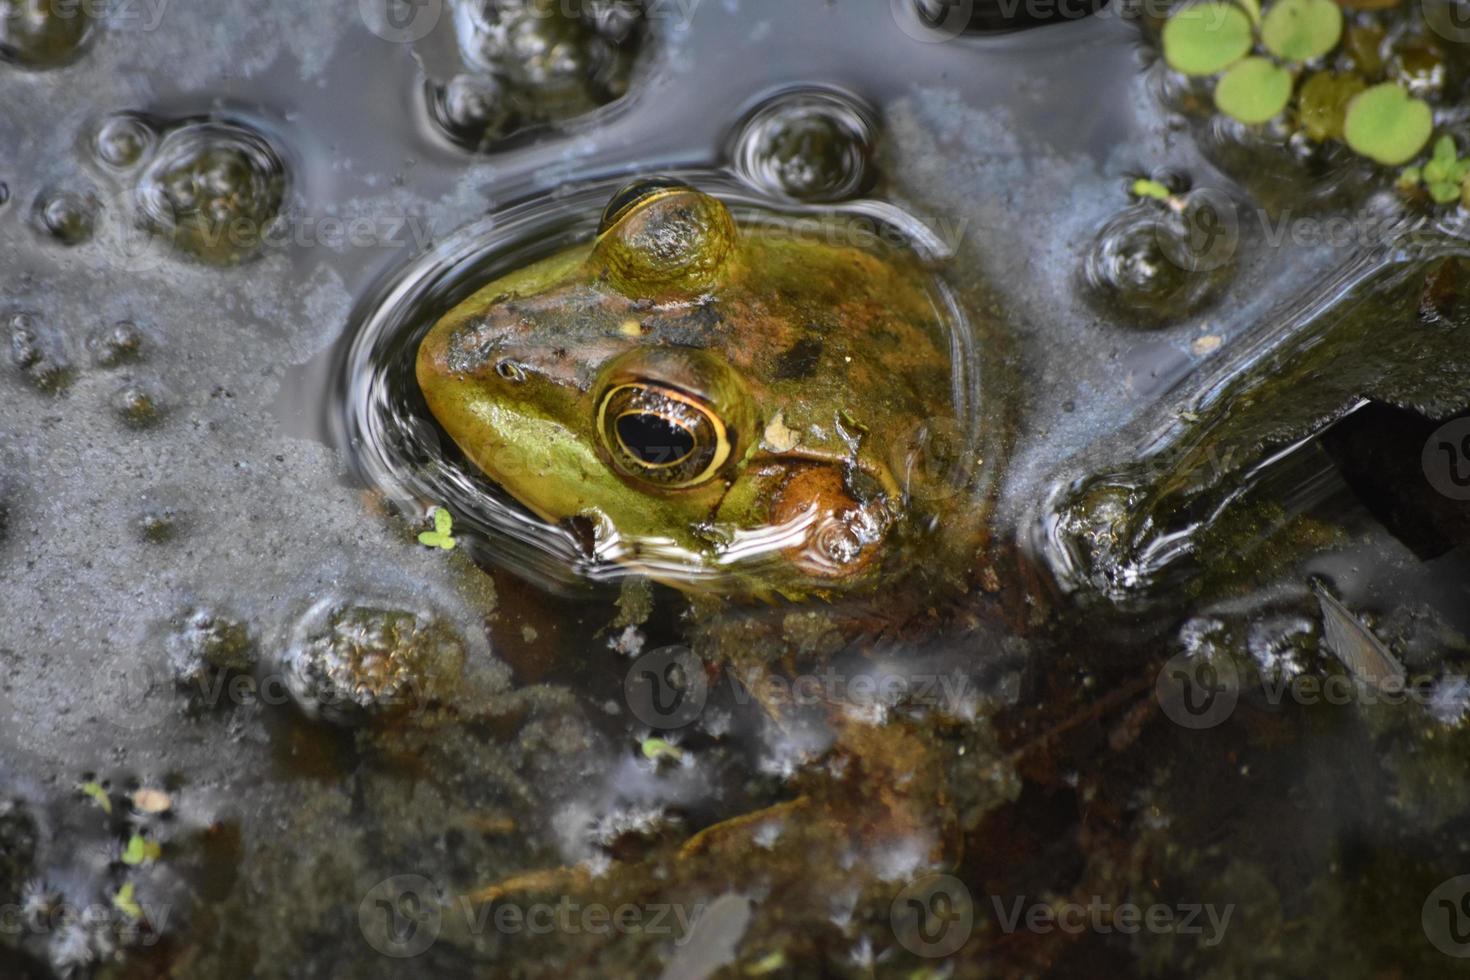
point(352, 662)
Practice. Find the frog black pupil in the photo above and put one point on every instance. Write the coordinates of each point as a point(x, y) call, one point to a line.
point(654, 439)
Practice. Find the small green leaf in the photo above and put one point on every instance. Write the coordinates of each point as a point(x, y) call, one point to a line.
point(440, 537)
point(1409, 178)
point(141, 850)
point(1384, 124)
point(1444, 149)
point(1444, 192)
point(1253, 90)
point(1300, 30)
point(1144, 187)
point(1206, 38)
point(656, 749)
point(125, 902)
point(97, 793)
point(1252, 10)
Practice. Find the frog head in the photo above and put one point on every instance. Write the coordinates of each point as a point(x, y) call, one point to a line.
point(722, 404)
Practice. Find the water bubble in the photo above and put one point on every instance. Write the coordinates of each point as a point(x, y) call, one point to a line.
point(43, 33)
point(1135, 266)
point(67, 216)
point(120, 343)
point(809, 145)
point(37, 353)
point(473, 111)
point(533, 62)
point(138, 405)
point(123, 140)
point(214, 190)
point(350, 662)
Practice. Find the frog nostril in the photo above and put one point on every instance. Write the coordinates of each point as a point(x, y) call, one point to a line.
point(510, 371)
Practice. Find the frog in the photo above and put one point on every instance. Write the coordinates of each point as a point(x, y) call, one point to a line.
point(725, 406)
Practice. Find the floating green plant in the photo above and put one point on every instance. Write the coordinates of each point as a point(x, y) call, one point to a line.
point(1254, 90)
point(1146, 187)
point(1443, 176)
point(441, 536)
point(126, 902)
point(1207, 37)
point(1383, 122)
point(141, 850)
point(1300, 30)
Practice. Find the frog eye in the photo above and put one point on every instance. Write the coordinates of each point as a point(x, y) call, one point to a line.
point(662, 436)
point(634, 194)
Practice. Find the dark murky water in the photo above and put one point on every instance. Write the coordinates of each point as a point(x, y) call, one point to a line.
point(250, 726)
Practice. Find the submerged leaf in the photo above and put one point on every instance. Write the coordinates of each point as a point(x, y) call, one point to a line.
point(1206, 38)
point(1253, 90)
point(125, 902)
point(1362, 653)
point(141, 850)
point(1323, 101)
point(98, 794)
